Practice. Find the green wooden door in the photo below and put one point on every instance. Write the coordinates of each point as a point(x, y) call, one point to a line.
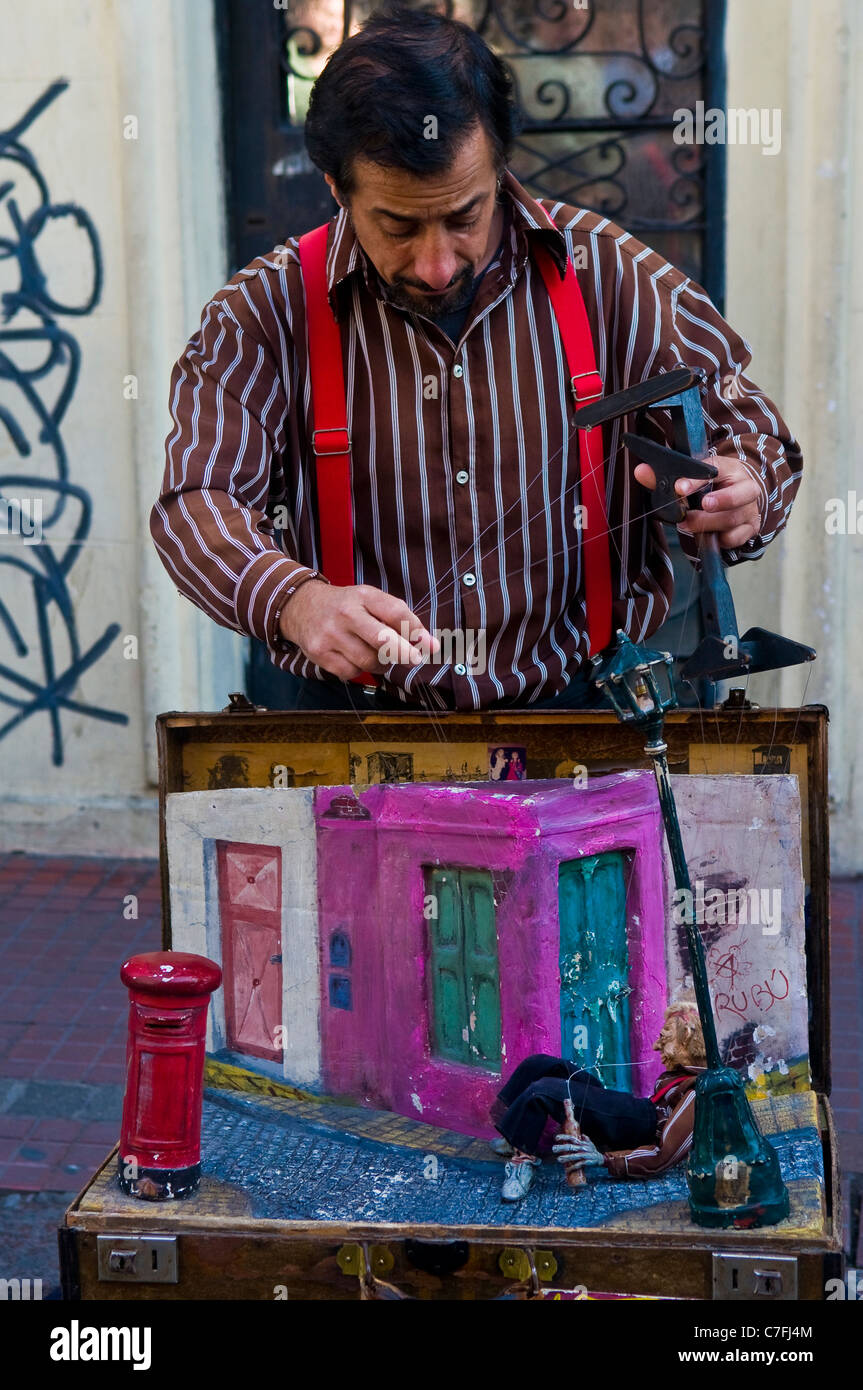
point(594, 966)
point(465, 984)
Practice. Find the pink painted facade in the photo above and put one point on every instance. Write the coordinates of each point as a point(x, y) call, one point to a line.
point(375, 1023)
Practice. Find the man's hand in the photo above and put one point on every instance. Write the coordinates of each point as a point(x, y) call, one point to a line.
point(354, 628)
point(733, 507)
point(575, 1153)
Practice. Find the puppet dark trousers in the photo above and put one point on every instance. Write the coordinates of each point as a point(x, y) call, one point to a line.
point(539, 1086)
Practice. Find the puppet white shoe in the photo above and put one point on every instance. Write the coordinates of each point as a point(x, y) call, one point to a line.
point(502, 1147)
point(519, 1176)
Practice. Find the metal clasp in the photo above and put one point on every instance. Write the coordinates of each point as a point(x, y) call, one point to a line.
point(594, 395)
point(338, 429)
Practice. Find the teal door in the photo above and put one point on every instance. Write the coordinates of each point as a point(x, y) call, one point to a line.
point(465, 985)
point(594, 967)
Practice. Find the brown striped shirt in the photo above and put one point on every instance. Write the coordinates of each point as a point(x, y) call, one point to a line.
point(673, 1135)
point(464, 460)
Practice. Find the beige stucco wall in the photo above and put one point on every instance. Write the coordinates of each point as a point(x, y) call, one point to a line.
point(794, 290)
point(156, 203)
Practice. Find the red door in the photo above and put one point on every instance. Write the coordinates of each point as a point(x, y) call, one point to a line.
point(250, 903)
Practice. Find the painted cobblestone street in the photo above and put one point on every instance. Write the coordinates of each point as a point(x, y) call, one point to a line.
point(291, 1167)
point(63, 935)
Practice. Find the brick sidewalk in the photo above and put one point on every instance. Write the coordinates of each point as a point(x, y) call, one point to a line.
point(63, 937)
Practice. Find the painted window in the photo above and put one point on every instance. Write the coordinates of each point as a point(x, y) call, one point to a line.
point(340, 990)
point(340, 949)
point(464, 1004)
point(594, 966)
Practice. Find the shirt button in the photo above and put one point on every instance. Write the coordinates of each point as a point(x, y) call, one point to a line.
point(460, 670)
point(461, 476)
point(469, 580)
point(458, 371)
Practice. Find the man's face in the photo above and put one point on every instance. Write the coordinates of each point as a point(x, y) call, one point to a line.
point(429, 236)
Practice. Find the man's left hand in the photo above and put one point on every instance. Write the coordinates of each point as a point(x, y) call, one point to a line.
point(732, 507)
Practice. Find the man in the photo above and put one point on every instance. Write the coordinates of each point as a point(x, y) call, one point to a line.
point(464, 462)
point(632, 1137)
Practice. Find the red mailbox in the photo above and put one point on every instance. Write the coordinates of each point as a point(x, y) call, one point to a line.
point(160, 1142)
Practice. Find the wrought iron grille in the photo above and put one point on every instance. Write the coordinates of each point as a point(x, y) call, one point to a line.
point(597, 84)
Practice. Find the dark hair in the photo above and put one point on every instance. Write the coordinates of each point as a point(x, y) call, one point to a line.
point(379, 87)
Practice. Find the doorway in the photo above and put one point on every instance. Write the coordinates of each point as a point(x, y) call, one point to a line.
point(594, 967)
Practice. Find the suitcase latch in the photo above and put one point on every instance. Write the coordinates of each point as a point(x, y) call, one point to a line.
point(754, 1277)
point(137, 1259)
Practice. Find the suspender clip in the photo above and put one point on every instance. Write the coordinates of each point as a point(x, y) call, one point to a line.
point(331, 433)
point(581, 396)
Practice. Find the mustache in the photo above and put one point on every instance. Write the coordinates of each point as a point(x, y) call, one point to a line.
point(426, 289)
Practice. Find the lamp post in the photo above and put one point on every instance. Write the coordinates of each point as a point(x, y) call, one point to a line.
point(733, 1172)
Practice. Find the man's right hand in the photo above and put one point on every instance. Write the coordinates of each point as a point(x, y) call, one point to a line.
point(575, 1152)
point(356, 628)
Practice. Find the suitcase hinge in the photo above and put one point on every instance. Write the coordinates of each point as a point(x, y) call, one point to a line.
point(528, 1265)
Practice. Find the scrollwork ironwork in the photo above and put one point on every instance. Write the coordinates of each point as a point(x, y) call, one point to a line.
point(600, 77)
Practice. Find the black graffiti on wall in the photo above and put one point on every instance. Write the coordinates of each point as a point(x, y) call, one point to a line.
point(39, 366)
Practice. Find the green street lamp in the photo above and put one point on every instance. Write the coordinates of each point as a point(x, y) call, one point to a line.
point(733, 1172)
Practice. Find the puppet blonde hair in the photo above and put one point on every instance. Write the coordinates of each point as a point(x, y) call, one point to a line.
point(688, 1037)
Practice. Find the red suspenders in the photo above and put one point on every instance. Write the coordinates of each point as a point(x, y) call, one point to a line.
point(586, 384)
point(331, 441)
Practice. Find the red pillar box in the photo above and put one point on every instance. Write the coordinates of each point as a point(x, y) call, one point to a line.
point(160, 1142)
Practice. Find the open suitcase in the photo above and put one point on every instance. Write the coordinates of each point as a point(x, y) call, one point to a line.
point(345, 1130)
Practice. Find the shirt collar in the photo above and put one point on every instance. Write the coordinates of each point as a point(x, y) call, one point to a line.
point(529, 220)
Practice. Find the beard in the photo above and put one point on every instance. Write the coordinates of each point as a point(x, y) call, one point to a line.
point(458, 296)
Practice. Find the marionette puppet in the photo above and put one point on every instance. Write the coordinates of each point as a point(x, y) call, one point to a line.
point(632, 1137)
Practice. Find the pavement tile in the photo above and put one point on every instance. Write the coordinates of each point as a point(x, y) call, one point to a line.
point(102, 1073)
point(85, 1037)
point(103, 1133)
point(70, 1050)
point(28, 1052)
point(23, 996)
point(57, 1129)
point(44, 1032)
point(89, 1156)
point(22, 1177)
point(59, 1068)
point(68, 1180)
point(16, 1126)
point(44, 1151)
point(72, 1100)
point(67, 1015)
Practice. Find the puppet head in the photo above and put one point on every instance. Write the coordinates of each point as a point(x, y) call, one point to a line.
point(681, 1041)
